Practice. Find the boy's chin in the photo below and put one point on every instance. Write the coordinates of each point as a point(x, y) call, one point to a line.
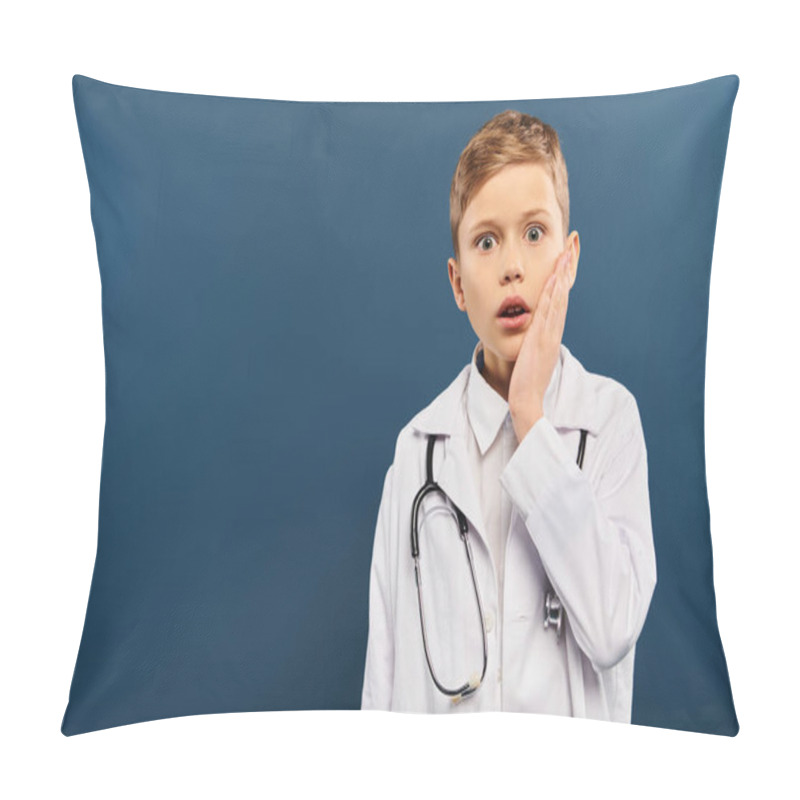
point(509, 351)
point(511, 348)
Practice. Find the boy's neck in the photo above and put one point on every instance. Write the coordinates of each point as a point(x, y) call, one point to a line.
point(497, 375)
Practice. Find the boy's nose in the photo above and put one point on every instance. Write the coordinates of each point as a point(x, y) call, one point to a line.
point(513, 270)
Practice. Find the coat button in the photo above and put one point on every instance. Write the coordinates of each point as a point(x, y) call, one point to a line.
point(488, 622)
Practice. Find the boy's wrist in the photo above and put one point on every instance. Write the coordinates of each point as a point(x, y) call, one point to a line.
point(529, 411)
point(525, 419)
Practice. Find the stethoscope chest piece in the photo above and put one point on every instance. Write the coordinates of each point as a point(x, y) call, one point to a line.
point(553, 613)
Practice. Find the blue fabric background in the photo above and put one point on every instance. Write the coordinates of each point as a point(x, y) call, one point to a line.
point(276, 307)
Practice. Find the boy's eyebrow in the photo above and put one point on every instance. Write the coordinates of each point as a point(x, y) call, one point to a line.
point(490, 222)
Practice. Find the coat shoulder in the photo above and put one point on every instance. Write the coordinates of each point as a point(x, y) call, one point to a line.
point(612, 403)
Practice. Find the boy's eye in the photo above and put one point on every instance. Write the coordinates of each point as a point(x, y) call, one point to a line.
point(482, 240)
point(537, 230)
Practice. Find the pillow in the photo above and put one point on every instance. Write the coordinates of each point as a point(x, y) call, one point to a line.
point(276, 308)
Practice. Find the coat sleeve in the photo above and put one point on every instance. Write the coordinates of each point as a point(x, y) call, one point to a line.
point(379, 668)
point(595, 540)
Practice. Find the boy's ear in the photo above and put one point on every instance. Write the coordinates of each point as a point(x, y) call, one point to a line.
point(574, 243)
point(455, 281)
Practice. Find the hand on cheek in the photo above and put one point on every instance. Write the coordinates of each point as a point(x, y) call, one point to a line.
point(540, 349)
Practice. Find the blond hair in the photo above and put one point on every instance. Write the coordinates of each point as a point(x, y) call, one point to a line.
point(510, 137)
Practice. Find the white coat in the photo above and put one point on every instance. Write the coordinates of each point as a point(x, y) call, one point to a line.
point(584, 533)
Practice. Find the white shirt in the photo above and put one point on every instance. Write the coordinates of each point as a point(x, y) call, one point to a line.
point(489, 449)
point(587, 533)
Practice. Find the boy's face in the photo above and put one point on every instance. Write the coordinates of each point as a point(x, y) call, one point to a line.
point(509, 240)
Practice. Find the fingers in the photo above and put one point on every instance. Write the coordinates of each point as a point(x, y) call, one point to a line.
point(552, 282)
point(546, 299)
point(563, 262)
point(551, 308)
point(559, 277)
point(559, 296)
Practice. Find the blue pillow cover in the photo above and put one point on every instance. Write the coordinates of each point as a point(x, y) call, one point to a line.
point(276, 307)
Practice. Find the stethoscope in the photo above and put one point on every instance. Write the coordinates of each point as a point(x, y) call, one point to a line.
point(553, 610)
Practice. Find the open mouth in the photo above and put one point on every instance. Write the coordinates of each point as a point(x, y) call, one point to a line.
point(514, 319)
point(514, 311)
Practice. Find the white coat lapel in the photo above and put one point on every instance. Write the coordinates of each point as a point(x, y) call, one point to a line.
point(445, 417)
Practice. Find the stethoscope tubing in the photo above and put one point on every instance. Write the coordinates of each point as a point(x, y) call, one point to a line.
point(430, 485)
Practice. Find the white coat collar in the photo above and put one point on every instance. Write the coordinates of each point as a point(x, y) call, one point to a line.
point(568, 403)
point(486, 409)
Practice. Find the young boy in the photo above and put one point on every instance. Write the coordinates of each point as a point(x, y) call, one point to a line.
point(540, 464)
